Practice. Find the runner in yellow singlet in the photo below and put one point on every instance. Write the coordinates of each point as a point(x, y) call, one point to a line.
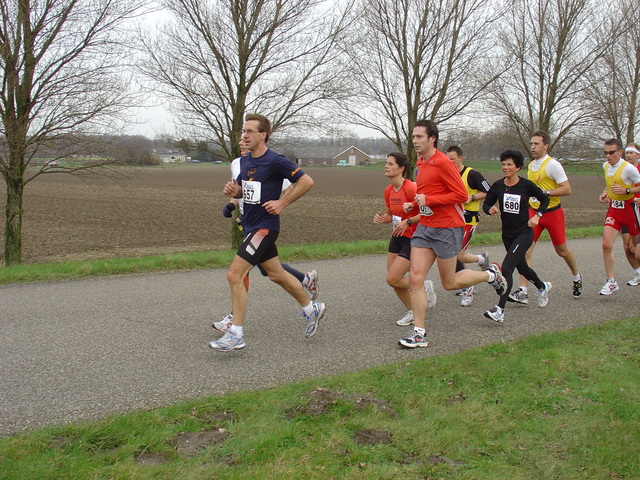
point(548, 174)
point(631, 154)
point(621, 179)
point(477, 188)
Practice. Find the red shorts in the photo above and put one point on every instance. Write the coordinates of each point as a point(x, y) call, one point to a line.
point(469, 230)
point(554, 222)
point(623, 213)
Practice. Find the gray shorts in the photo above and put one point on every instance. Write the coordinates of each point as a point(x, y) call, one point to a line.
point(445, 242)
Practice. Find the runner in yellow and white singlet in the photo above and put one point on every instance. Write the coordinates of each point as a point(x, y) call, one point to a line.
point(547, 173)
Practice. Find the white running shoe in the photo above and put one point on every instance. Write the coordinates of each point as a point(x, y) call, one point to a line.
point(413, 340)
point(313, 321)
point(496, 314)
point(499, 282)
point(543, 295)
point(467, 296)
point(228, 342)
point(406, 320)
point(432, 298)
point(609, 287)
point(635, 280)
point(519, 296)
point(225, 324)
point(310, 284)
point(484, 265)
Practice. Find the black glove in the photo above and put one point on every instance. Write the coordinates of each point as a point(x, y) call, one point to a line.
point(228, 209)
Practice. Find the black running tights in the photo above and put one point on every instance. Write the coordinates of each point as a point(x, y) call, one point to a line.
point(515, 259)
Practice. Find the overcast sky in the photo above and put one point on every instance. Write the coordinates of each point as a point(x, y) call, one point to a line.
point(155, 121)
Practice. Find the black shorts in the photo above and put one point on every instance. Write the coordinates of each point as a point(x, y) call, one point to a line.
point(259, 246)
point(401, 246)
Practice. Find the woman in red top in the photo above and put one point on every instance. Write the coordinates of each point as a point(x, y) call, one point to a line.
point(404, 224)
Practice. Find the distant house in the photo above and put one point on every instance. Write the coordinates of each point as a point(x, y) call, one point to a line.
point(332, 156)
point(171, 155)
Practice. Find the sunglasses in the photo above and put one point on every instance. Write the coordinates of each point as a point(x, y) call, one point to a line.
point(610, 152)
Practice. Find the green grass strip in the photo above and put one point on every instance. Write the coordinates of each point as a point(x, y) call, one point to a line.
point(219, 259)
point(553, 406)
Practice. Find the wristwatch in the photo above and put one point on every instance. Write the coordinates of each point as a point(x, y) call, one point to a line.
point(409, 222)
point(548, 192)
point(628, 191)
point(539, 214)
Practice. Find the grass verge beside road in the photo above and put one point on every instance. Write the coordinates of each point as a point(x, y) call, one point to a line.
point(220, 259)
point(561, 405)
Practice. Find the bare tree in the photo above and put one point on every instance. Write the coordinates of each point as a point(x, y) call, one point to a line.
point(613, 95)
point(549, 47)
point(219, 59)
point(61, 74)
point(415, 59)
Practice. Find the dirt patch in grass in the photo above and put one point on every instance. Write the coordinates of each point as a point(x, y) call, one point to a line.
point(323, 400)
point(189, 444)
point(371, 436)
point(161, 210)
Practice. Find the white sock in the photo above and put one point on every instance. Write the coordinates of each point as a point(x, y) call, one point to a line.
point(524, 289)
point(481, 259)
point(492, 276)
point(237, 330)
point(308, 310)
point(637, 271)
point(421, 331)
point(578, 276)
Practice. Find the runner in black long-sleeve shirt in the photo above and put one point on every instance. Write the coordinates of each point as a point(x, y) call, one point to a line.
point(512, 194)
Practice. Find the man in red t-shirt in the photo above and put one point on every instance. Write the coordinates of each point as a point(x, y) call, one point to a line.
point(440, 193)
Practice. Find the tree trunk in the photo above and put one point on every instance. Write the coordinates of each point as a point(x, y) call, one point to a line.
point(13, 222)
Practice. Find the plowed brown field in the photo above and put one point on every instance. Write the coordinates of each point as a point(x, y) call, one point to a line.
point(160, 210)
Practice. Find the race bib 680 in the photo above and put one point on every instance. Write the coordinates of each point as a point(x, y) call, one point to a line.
point(511, 203)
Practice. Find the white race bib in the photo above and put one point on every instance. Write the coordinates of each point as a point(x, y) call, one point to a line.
point(395, 220)
point(251, 192)
point(426, 211)
point(617, 204)
point(511, 203)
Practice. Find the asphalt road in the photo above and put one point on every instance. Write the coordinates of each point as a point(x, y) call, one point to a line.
point(89, 348)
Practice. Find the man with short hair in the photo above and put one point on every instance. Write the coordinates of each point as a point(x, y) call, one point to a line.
point(308, 280)
point(259, 184)
point(547, 173)
point(621, 178)
point(438, 237)
point(631, 155)
point(477, 188)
